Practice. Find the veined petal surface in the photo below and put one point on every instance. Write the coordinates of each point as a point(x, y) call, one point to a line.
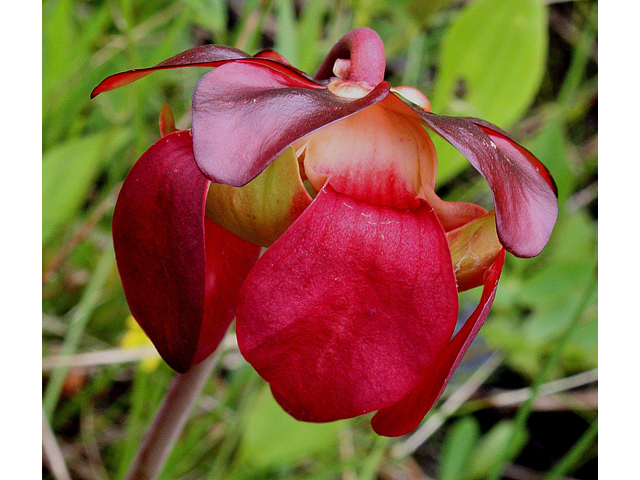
point(345, 311)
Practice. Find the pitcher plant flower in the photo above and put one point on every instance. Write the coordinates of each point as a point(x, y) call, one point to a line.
point(352, 307)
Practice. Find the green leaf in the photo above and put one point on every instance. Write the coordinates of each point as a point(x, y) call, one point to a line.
point(212, 15)
point(486, 452)
point(569, 253)
point(68, 171)
point(415, 57)
point(309, 34)
point(273, 439)
point(461, 438)
point(492, 61)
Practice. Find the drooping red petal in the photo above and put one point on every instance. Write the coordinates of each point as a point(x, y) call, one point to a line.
point(364, 50)
point(344, 312)
point(525, 197)
point(181, 275)
point(496, 132)
point(406, 415)
point(205, 56)
point(245, 115)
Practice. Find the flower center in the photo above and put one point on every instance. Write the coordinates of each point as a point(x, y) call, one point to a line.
point(377, 155)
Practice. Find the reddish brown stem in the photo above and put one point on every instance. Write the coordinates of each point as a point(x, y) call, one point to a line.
point(164, 430)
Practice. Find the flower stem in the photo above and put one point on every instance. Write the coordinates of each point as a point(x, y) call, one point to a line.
point(169, 420)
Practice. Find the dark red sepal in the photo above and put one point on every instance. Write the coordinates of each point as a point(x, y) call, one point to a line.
point(524, 193)
point(181, 273)
point(203, 56)
point(406, 415)
point(206, 56)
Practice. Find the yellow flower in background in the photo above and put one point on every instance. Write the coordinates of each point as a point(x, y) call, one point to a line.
point(135, 337)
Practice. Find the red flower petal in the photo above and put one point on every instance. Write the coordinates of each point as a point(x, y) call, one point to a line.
point(181, 284)
point(246, 115)
point(203, 56)
point(346, 310)
point(525, 197)
point(405, 416)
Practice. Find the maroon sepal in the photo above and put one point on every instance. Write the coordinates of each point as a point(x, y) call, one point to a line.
point(205, 56)
point(525, 196)
point(181, 273)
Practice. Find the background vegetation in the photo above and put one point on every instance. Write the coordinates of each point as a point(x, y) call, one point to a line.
point(524, 402)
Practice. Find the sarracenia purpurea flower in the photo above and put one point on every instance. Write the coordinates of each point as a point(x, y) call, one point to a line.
point(352, 307)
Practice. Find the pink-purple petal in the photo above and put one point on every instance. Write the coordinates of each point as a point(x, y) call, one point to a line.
point(525, 198)
point(346, 310)
point(406, 415)
point(245, 115)
point(178, 281)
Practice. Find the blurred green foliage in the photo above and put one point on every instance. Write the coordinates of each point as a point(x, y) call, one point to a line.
point(527, 66)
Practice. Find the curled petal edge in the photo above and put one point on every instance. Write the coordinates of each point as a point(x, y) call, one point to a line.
point(364, 51)
point(525, 196)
